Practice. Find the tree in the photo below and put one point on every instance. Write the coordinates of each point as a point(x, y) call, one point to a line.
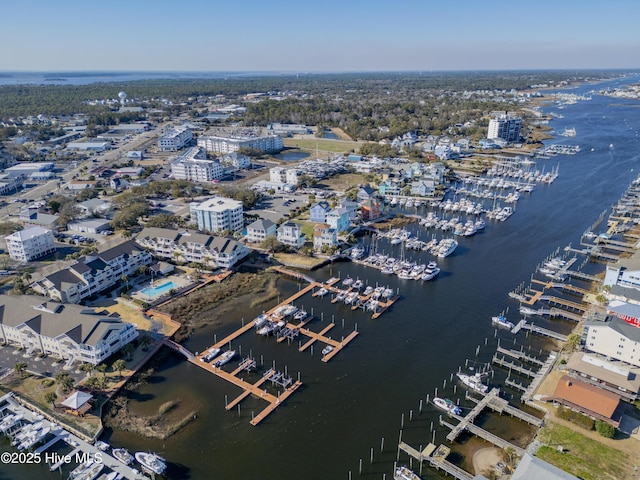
point(93, 382)
point(20, 368)
point(65, 381)
point(125, 279)
point(145, 340)
point(118, 366)
point(87, 368)
point(102, 368)
point(270, 244)
point(50, 397)
point(127, 351)
point(573, 341)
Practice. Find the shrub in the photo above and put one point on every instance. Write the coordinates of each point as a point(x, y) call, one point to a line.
point(605, 429)
point(576, 417)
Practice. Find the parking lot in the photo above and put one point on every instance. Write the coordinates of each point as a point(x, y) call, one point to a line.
point(278, 207)
point(46, 366)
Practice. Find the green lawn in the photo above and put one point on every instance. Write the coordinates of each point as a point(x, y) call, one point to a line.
point(582, 456)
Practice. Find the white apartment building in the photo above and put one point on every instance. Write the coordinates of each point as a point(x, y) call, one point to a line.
point(30, 243)
point(93, 273)
point(174, 139)
point(188, 246)
point(506, 127)
point(69, 332)
point(266, 143)
point(624, 273)
point(218, 214)
point(194, 166)
point(614, 338)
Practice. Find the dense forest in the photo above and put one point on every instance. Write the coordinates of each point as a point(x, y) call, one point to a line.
point(367, 106)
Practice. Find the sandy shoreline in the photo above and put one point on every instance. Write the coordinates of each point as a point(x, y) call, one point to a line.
point(485, 460)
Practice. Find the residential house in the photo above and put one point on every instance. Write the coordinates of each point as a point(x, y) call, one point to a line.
point(188, 246)
point(318, 212)
point(69, 332)
point(365, 193)
point(389, 187)
point(32, 216)
point(324, 235)
point(370, 209)
point(94, 207)
point(421, 188)
point(290, 233)
point(91, 274)
point(338, 219)
point(350, 206)
point(259, 230)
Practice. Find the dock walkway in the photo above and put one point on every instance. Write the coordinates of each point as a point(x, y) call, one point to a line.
point(437, 459)
point(512, 366)
point(501, 405)
point(540, 376)
point(520, 356)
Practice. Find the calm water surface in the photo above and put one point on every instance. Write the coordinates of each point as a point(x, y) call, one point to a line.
point(346, 407)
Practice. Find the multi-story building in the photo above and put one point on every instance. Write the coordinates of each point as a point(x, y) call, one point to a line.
point(614, 338)
point(323, 235)
point(290, 233)
point(69, 332)
point(265, 143)
point(235, 159)
point(194, 166)
point(30, 243)
point(278, 174)
point(174, 139)
point(506, 127)
point(318, 212)
point(624, 273)
point(191, 247)
point(93, 273)
point(259, 230)
point(218, 214)
point(338, 219)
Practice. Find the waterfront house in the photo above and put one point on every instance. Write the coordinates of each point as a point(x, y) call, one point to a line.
point(613, 338)
point(290, 233)
point(389, 187)
point(421, 188)
point(324, 235)
point(69, 332)
point(350, 206)
point(589, 399)
point(318, 212)
point(364, 194)
point(338, 219)
point(259, 230)
point(370, 209)
point(624, 273)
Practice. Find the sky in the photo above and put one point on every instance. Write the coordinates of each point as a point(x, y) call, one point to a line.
point(318, 36)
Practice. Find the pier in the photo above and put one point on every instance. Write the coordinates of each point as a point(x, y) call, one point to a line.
point(437, 459)
point(518, 355)
point(480, 432)
point(500, 405)
point(512, 366)
point(523, 325)
point(540, 376)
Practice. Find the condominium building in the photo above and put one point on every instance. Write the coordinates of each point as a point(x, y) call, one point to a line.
point(194, 166)
point(91, 274)
point(30, 243)
point(188, 246)
point(69, 332)
point(613, 338)
point(506, 127)
point(266, 143)
point(174, 139)
point(218, 214)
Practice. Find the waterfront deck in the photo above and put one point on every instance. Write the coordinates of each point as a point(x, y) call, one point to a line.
point(437, 458)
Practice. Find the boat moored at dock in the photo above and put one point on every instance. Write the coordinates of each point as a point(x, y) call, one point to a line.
point(447, 405)
point(501, 321)
point(151, 462)
point(403, 473)
point(474, 382)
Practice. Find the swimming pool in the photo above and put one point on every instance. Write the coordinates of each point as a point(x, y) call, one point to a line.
point(153, 292)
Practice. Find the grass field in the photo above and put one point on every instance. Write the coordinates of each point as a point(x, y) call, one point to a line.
point(301, 261)
point(323, 144)
point(582, 456)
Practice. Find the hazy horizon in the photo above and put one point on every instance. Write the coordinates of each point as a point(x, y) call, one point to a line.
point(338, 37)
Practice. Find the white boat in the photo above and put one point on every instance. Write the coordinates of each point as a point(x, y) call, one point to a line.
point(86, 471)
point(152, 462)
point(347, 281)
point(388, 292)
point(474, 382)
point(368, 291)
point(33, 438)
point(447, 247)
point(431, 271)
point(358, 284)
point(327, 350)
point(403, 473)
point(210, 354)
point(501, 321)
point(300, 315)
point(322, 292)
point(260, 320)
point(528, 311)
point(480, 224)
point(447, 405)
point(221, 360)
point(102, 446)
point(387, 270)
point(266, 329)
point(122, 455)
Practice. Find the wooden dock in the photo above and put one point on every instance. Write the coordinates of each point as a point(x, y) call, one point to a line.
point(518, 355)
point(437, 459)
point(540, 376)
point(485, 435)
point(249, 388)
point(543, 331)
point(512, 366)
point(501, 405)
